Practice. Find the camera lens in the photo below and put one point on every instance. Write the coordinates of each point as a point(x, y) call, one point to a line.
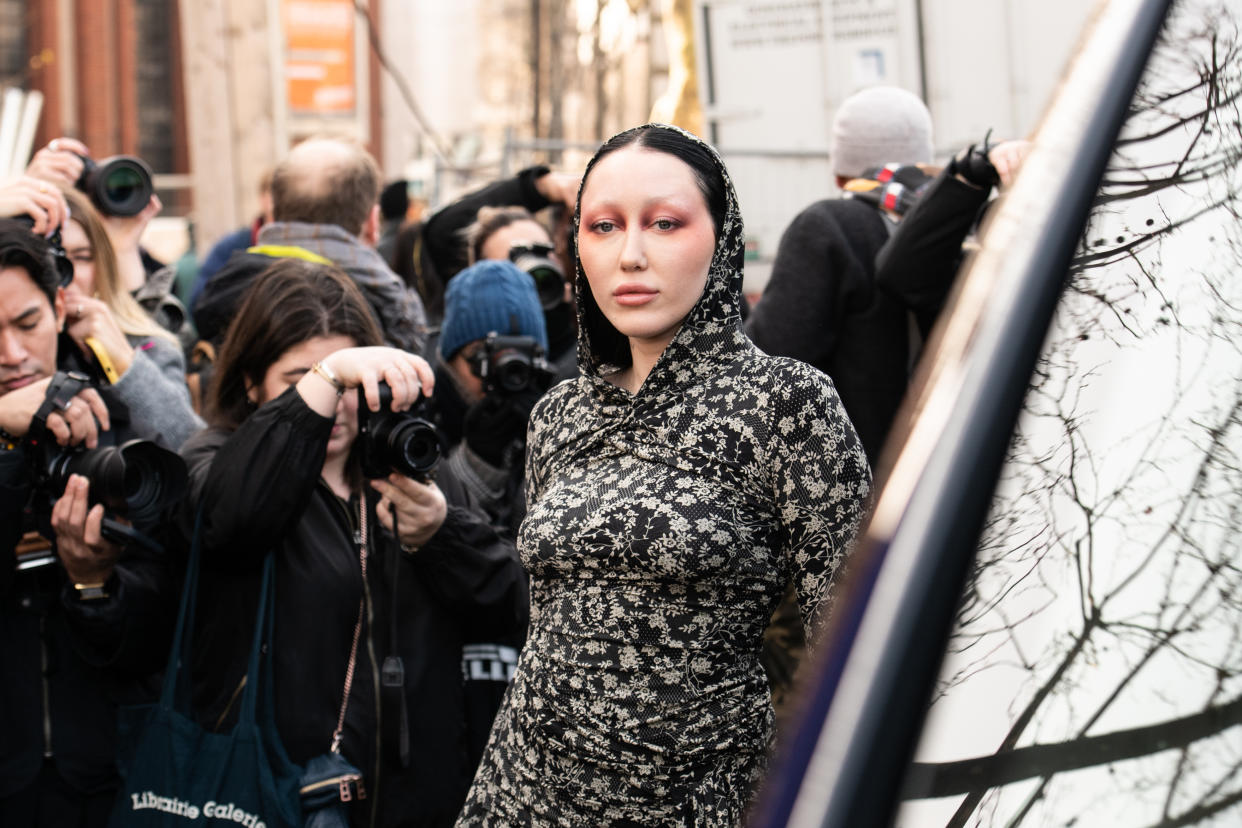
point(512, 371)
point(549, 284)
point(414, 447)
point(138, 479)
point(549, 281)
point(122, 184)
point(118, 186)
point(391, 441)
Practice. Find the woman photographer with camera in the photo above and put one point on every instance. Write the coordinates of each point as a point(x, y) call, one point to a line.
point(365, 571)
point(139, 364)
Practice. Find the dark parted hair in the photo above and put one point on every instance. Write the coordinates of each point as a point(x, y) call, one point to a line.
point(20, 247)
point(341, 192)
point(288, 303)
point(606, 341)
point(487, 222)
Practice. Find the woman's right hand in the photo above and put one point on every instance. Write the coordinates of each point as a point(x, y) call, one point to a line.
point(409, 376)
point(90, 318)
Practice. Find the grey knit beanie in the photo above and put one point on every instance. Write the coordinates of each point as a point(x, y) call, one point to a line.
point(877, 126)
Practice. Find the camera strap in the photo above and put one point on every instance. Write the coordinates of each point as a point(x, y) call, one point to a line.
point(64, 386)
point(395, 740)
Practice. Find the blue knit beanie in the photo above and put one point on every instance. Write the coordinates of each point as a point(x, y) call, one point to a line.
point(492, 295)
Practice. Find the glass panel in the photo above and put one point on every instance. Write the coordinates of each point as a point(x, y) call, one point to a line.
point(1094, 676)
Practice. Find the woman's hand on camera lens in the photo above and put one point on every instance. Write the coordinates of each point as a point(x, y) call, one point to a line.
point(409, 376)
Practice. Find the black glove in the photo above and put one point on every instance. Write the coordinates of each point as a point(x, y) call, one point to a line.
point(974, 165)
point(496, 423)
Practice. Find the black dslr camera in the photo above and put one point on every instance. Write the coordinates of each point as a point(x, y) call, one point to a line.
point(511, 365)
point(535, 259)
point(137, 480)
point(400, 441)
point(117, 186)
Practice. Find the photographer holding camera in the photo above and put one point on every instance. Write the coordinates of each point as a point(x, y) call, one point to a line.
point(122, 192)
point(490, 373)
point(513, 234)
point(84, 618)
point(317, 455)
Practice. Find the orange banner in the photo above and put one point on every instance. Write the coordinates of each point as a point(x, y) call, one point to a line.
point(319, 56)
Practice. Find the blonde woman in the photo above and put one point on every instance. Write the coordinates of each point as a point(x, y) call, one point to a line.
point(141, 361)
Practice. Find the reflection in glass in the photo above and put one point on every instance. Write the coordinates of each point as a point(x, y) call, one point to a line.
point(1095, 672)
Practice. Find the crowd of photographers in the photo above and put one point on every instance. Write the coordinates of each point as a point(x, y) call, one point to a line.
point(133, 428)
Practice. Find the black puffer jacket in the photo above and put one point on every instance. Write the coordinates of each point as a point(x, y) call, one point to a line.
point(261, 492)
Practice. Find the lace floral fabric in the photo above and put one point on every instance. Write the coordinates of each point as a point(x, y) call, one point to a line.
point(662, 528)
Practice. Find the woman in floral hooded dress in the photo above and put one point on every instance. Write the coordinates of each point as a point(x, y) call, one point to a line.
point(674, 489)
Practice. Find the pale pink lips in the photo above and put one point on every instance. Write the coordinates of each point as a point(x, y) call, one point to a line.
point(634, 294)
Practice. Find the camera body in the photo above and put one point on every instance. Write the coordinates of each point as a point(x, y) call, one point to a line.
point(121, 185)
point(511, 365)
point(137, 480)
point(390, 441)
point(535, 259)
point(58, 259)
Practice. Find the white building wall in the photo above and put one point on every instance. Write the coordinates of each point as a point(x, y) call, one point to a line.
point(773, 72)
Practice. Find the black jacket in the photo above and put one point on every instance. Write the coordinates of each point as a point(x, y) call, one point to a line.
point(917, 266)
point(87, 657)
point(260, 491)
point(822, 306)
point(442, 232)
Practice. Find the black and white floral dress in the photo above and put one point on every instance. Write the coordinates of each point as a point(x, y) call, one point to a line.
point(662, 529)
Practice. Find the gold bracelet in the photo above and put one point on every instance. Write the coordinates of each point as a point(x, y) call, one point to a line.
point(325, 373)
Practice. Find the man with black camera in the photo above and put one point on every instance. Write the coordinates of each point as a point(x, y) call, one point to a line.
point(81, 612)
point(491, 371)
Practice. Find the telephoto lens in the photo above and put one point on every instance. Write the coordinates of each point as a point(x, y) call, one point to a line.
point(117, 186)
point(138, 479)
point(536, 260)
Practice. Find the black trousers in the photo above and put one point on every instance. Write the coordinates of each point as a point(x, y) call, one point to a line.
point(50, 802)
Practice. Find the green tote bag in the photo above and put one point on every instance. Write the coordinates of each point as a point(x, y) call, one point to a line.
point(176, 773)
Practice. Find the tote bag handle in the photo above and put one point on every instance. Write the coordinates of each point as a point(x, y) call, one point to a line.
point(176, 692)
